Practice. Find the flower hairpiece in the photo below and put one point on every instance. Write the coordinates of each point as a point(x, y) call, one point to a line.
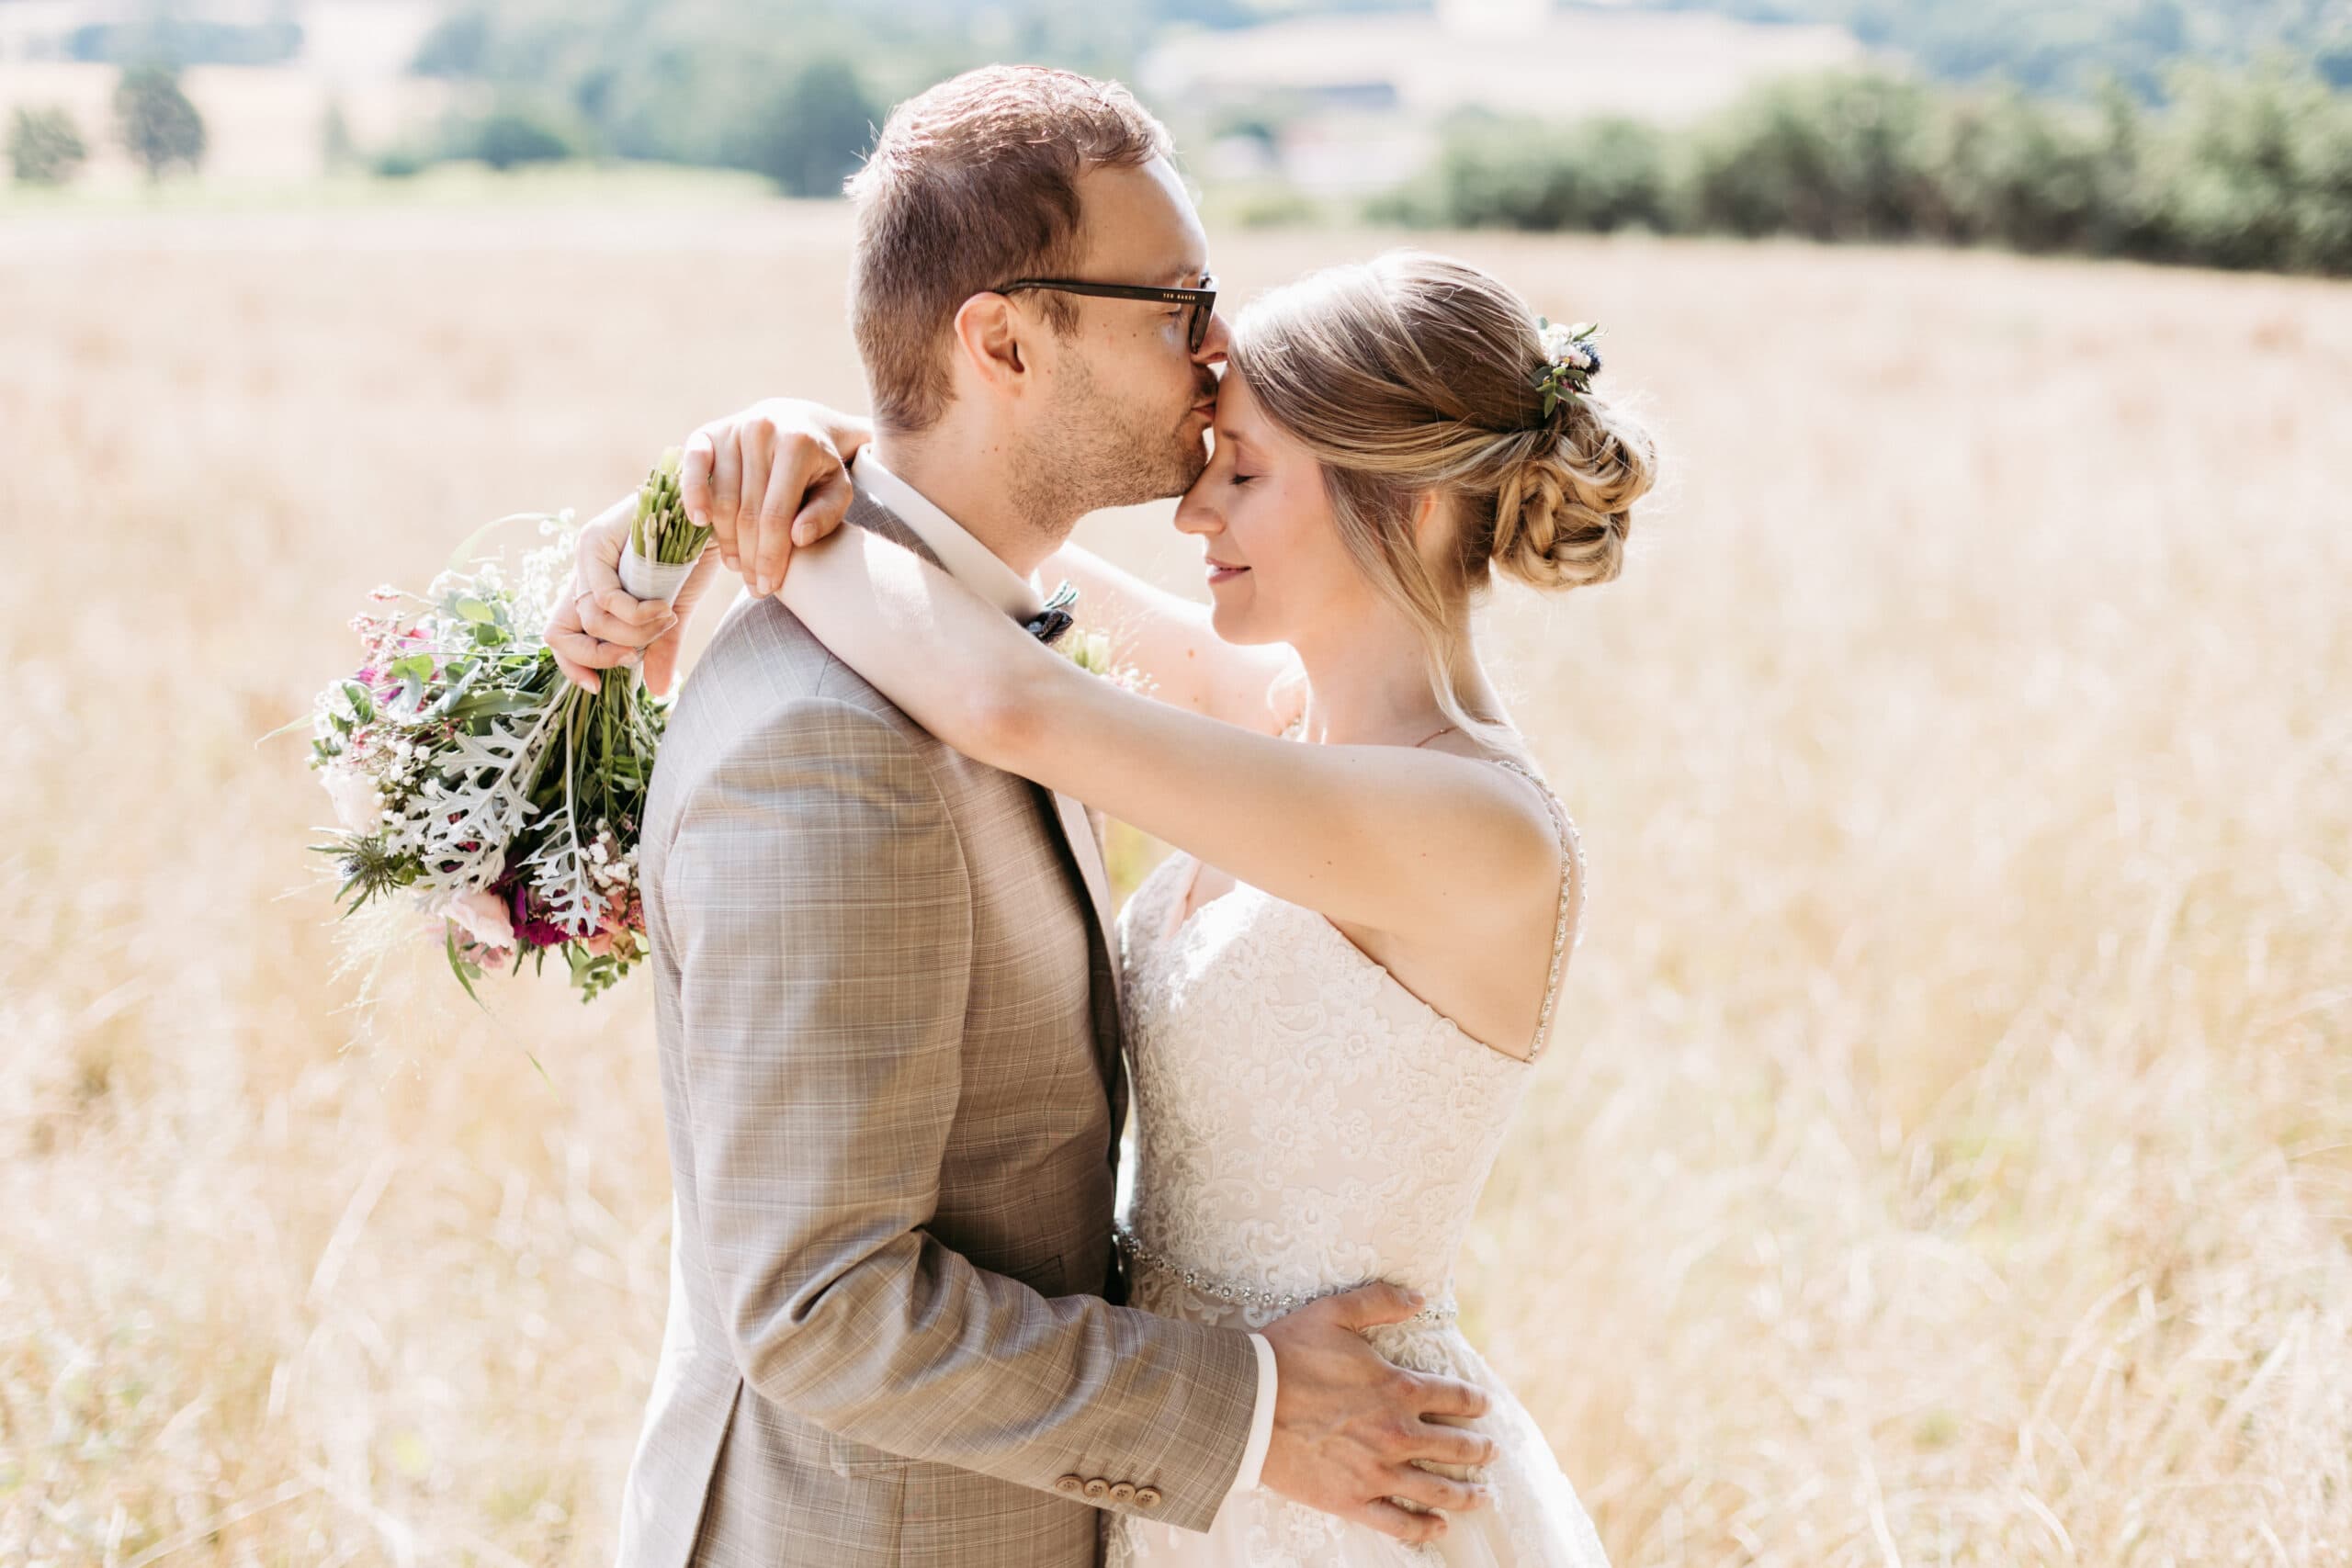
point(1572, 357)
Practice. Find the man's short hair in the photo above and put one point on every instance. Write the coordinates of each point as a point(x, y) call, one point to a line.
point(973, 184)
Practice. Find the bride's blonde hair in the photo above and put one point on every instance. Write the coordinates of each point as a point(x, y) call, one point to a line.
point(1416, 373)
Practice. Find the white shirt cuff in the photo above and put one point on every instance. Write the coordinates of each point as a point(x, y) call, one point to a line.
point(1261, 1421)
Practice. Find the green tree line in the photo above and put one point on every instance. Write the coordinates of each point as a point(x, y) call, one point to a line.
point(792, 88)
point(154, 118)
point(2244, 170)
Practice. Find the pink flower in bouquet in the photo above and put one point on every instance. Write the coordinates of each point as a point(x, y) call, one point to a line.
point(623, 917)
point(483, 916)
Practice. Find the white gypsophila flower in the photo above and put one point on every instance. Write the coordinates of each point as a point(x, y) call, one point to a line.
point(1560, 346)
point(543, 574)
point(358, 805)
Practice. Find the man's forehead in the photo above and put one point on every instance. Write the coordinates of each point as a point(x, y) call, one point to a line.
point(1140, 223)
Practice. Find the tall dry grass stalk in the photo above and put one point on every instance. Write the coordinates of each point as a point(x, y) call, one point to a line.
point(1948, 1158)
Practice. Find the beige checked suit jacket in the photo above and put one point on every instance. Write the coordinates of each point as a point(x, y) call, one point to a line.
point(890, 1065)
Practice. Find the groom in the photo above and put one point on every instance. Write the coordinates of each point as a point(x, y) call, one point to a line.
point(885, 996)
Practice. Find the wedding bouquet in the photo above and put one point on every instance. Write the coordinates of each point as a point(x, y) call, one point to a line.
point(476, 786)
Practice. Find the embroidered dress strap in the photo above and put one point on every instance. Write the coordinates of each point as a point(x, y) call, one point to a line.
point(1571, 915)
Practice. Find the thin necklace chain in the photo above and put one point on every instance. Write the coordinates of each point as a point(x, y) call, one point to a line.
point(1298, 727)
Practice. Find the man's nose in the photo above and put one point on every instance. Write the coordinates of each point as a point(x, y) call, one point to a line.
point(1213, 342)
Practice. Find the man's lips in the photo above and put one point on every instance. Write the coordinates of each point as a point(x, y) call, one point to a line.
point(1220, 573)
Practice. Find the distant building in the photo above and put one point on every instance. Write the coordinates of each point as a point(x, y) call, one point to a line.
point(1350, 102)
point(37, 29)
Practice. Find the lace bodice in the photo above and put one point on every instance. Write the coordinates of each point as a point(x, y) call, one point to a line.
point(1305, 1122)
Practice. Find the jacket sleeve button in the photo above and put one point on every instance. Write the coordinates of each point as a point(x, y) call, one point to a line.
point(1147, 1496)
point(1097, 1489)
point(1070, 1485)
point(1123, 1491)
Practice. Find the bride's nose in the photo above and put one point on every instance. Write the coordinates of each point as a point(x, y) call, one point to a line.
point(1195, 514)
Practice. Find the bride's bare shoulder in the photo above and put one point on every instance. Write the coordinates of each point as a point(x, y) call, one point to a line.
point(1529, 810)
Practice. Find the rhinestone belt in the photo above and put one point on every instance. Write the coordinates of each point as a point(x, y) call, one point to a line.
point(1269, 1301)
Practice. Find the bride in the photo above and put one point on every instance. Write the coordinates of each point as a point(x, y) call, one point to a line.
point(1336, 990)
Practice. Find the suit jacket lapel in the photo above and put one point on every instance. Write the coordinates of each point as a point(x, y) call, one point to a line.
point(1078, 832)
point(1088, 851)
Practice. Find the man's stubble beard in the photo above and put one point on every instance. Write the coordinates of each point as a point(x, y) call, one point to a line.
point(1095, 452)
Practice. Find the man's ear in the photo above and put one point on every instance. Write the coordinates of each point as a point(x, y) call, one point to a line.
point(989, 329)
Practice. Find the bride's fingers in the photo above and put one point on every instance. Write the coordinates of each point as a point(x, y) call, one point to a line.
point(823, 508)
point(637, 631)
point(580, 675)
point(619, 602)
point(773, 546)
point(1402, 1524)
point(579, 656)
point(755, 460)
point(726, 493)
point(696, 464)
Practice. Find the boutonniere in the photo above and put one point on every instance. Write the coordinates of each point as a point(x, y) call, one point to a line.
point(1048, 624)
point(1092, 650)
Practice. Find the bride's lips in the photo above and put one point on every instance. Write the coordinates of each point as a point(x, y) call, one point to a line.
point(1220, 573)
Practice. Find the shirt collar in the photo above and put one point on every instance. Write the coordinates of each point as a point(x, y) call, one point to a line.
point(968, 560)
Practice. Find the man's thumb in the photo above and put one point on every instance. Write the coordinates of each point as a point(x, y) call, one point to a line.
point(1368, 1306)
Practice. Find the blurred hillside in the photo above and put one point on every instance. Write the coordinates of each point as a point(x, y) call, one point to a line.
point(2069, 46)
point(2216, 134)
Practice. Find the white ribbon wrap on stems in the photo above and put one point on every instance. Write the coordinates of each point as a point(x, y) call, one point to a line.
point(654, 578)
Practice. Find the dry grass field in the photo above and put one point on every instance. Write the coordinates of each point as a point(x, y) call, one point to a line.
point(1949, 1156)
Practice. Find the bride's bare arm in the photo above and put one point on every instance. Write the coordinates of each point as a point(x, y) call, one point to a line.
point(1418, 844)
point(769, 481)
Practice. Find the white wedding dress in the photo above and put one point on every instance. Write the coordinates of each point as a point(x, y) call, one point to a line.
point(1306, 1123)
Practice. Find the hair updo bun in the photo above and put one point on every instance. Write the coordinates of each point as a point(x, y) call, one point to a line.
point(1564, 507)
